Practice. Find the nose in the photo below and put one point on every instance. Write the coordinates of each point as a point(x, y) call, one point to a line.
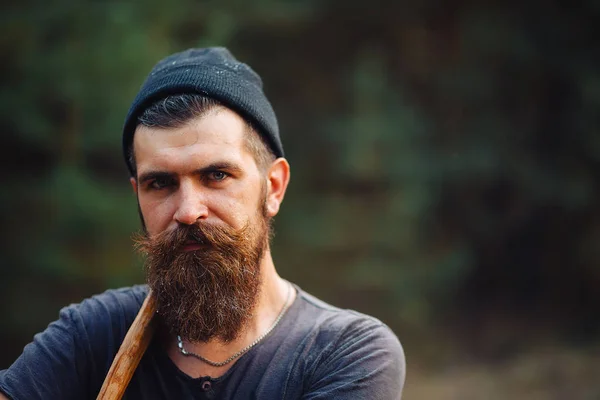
point(191, 206)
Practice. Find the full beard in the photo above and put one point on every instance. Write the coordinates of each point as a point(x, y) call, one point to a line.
point(211, 292)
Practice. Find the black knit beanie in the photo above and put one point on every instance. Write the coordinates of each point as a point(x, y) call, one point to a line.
point(212, 72)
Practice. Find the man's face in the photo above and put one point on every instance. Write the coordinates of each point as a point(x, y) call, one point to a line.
point(206, 207)
point(199, 172)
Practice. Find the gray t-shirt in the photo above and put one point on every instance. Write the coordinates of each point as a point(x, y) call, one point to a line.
point(316, 352)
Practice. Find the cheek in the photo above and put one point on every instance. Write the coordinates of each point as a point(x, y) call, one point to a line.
point(236, 208)
point(157, 214)
point(228, 209)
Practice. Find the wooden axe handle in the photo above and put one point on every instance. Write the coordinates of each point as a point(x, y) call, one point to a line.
point(131, 351)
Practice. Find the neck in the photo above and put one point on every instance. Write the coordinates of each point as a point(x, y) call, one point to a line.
point(272, 297)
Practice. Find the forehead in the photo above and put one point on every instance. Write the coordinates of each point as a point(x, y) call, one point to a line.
point(218, 135)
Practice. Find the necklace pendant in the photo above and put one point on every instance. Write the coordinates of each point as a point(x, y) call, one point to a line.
point(180, 345)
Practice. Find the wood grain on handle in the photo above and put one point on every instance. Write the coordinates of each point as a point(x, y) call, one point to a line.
point(131, 351)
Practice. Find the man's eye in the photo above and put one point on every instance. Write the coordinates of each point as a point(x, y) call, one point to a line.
point(160, 183)
point(217, 175)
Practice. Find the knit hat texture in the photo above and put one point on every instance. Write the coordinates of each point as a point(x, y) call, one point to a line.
point(213, 72)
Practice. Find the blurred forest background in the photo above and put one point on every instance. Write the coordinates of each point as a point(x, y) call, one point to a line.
point(445, 170)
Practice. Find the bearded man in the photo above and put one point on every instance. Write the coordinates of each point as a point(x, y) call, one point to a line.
point(202, 146)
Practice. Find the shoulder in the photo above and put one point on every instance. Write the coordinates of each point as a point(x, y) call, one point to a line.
point(102, 320)
point(343, 323)
point(113, 301)
point(106, 314)
point(343, 332)
point(100, 323)
point(70, 358)
point(346, 347)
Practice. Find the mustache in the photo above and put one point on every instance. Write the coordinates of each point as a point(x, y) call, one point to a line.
point(215, 237)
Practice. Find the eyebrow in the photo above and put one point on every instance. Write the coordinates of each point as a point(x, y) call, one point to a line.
point(153, 175)
point(216, 166)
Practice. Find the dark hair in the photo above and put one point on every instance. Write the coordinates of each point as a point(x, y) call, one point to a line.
point(176, 110)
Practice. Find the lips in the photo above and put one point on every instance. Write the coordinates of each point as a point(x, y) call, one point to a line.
point(192, 245)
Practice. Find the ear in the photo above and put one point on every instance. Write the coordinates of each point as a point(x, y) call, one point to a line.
point(133, 182)
point(278, 178)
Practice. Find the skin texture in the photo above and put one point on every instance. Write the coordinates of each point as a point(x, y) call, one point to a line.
point(203, 172)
